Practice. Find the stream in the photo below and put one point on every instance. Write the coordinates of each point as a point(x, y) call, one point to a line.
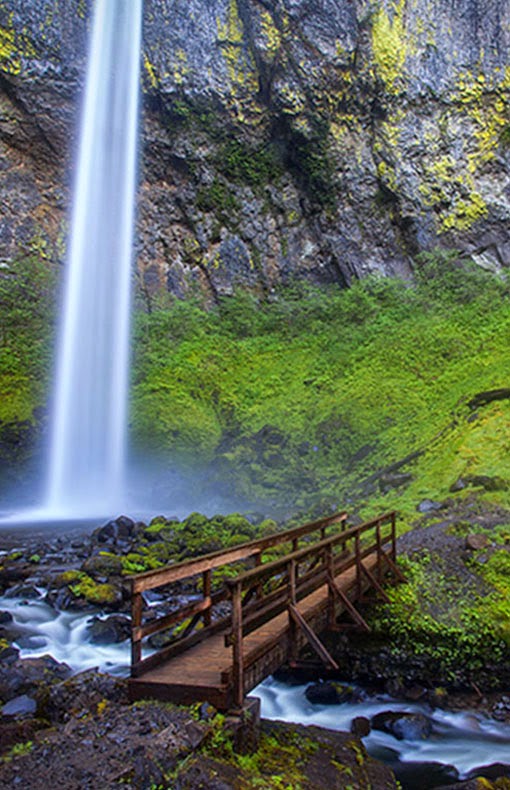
point(459, 746)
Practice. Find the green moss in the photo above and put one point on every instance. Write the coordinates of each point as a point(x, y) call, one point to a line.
point(27, 287)
point(83, 586)
point(445, 620)
point(14, 47)
point(389, 43)
point(255, 167)
point(311, 393)
point(218, 198)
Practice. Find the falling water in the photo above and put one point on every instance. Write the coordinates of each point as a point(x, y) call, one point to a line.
point(87, 453)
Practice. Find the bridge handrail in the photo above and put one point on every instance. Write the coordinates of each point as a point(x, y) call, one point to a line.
point(271, 568)
point(204, 565)
point(293, 588)
point(160, 577)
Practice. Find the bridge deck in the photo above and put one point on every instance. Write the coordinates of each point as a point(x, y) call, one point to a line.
point(204, 671)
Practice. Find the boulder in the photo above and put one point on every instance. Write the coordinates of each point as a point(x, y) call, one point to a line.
point(26, 591)
point(360, 726)
point(30, 676)
point(83, 692)
point(477, 542)
point(108, 631)
point(491, 771)
point(429, 506)
point(20, 706)
point(403, 726)
point(328, 693)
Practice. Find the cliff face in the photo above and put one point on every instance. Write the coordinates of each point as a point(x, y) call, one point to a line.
point(281, 138)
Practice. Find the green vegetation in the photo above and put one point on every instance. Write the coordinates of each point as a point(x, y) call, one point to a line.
point(27, 288)
point(445, 620)
point(81, 585)
point(245, 165)
point(299, 400)
point(18, 750)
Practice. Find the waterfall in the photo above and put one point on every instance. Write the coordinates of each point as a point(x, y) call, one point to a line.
point(88, 440)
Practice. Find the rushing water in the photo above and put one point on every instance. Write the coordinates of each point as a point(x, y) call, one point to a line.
point(460, 742)
point(87, 452)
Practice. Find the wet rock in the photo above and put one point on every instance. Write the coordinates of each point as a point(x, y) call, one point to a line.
point(84, 692)
point(328, 693)
point(112, 630)
point(206, 711)
point(13, 572)
point(477, 542)
point(360, 726)
point(492, 771)
point(30, 675)
point(101, 565)
point(13, 731)
point(429, 506)
point(119, 530)
point(437, 697)
point(486, 482)
point(8, 654)
point(501, 709)
point(422, 776)
point(403, 726)
point(20, 706)
point(25, 591)
point(5, 617)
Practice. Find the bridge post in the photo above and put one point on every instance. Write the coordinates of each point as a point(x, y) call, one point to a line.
point(330, 569)
point(291, 600)
point(206, 579)
point(393, 537)
point(358, 567)
point(237, 636)
point(136, 622)
point(378, 544)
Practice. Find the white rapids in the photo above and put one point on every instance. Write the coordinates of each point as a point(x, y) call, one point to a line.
point(463, 740)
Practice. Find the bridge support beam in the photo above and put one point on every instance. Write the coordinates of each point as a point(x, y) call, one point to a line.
point(244, 726)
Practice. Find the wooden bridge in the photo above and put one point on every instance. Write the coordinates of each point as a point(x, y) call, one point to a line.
point(229, 639)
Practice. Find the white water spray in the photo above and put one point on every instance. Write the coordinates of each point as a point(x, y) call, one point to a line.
point(88, 443)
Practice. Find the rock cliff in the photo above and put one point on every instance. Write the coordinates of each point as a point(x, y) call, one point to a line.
point(324, 139)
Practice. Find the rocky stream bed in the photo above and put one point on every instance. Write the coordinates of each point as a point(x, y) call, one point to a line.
point(62, 720)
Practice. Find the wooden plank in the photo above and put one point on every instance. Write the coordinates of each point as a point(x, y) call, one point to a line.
point(205, 669)
point(184, 570)
point(169, 619)
point(181, 646)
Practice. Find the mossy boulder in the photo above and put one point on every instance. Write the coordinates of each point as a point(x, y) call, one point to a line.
point(103, 564)
point(83, 588)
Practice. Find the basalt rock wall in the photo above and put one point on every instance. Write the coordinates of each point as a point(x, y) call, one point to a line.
point(282, 139)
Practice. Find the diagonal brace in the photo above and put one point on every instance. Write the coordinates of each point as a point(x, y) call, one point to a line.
point(373, 581)
point(312, 637)
point(393, 567)
point(348, 605)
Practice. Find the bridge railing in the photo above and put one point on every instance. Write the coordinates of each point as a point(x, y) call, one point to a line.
point(264, 592)
point(199, 613)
